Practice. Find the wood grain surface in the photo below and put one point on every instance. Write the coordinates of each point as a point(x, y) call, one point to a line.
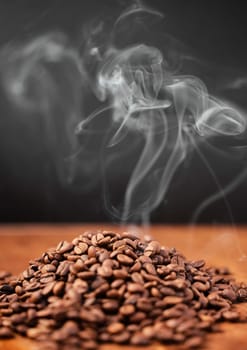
point(219, 246)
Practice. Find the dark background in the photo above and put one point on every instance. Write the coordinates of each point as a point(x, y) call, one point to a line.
point(214, 31)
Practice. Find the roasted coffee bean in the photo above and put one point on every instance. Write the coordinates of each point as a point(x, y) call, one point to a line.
point(6, 332)
point(127, 310)
point(6, 312)
point(64, 247)
point(193, 342)
point(104, 271)
point(125, 259)
point(107, 287)
point(137, 317)
point(231, 315)
point(110, 305)
point(139, 338)
point(121, 338)
point(172, 300)
point(135, 287)
point(116, 327)
point(136, 267)
point(144, 304)
point(149, 267)
point(6, 289)
point(120, 273)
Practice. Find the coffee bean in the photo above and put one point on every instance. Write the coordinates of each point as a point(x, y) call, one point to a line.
point(6, 289)
point(193, 342)
point(104, 271)
point(86, 275)
point(116, 327)
point(90, 345)
point(136, 267)
point(231, 315)
point(110, 305)
point(64, 247)
point(139, 338)
point(149, 267)
point(107, 287)
point(137, 278)
point(121, 338)
point(144, 304)
point(127, 310)
point(137, 317)
point(120, 273)
point(6, 312)
point(171, 300)
point(6, 332)
point(125, 259)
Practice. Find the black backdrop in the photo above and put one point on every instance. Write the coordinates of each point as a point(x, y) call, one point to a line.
point(215, 31)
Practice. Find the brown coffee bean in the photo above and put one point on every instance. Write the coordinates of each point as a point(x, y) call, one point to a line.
point(88, 334)
point(229, 293)
point(149, 267)
point(137, 278)
point(63, 268)
point(110, 305)
point(91, 251)
point(150, 277)
point(171, 300)
point(6, 312)
point(58, 287)
point(231, 315)
point(83, 247)
point(89, 345)
point(201, 286)
point(6, 332)
point(104, 271)
point(104, 241)
point(19, 290)
point(121, 338)
point(86, 275)
point(156, 293)
point(143, 292)
point(135, 287)
point(96, 238)
point(139, 338)
point(103, 255)
point(137, 317)
point(116, 327)
point(127, 310)
point(125, 259)
point(112, 293)
point(120, 273)
point(148, 331)
point(117, 283)
point(136, 267)
point(242, 294)
point(152, 248)
point(35, 296)
point(18, 318)
point(64, 247)
point(4, 305)
point(193, 342)
point(130, 235)
point(144, 304)
point(48, 288)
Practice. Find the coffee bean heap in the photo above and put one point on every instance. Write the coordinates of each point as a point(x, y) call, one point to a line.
point(106, 287)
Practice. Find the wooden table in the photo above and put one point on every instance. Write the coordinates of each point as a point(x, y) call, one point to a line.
point(220, 246)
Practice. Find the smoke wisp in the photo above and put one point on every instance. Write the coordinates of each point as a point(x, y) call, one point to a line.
point(147, 121)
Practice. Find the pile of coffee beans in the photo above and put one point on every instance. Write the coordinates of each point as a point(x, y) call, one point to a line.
point(107, 287)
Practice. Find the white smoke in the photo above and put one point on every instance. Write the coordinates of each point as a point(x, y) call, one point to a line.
point(147, 108)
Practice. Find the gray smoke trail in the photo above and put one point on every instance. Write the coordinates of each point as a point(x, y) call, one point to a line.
point(45, 77)
point(148, 113)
